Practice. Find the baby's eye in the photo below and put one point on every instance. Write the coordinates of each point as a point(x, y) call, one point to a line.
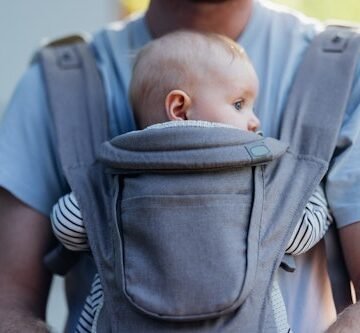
point(239, 104)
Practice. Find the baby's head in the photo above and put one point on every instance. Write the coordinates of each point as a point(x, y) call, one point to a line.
point(193, 76)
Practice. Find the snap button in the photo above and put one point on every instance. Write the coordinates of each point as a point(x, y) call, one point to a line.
point(336, 42)
point(67, 58)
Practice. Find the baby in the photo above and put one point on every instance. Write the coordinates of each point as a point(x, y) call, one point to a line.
point(186, 76)
point(189, 76)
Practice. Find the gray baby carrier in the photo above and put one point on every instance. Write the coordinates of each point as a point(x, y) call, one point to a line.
point(186, 224)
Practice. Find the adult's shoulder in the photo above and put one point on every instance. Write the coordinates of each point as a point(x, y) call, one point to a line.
point(129, 33)
point(115, 47)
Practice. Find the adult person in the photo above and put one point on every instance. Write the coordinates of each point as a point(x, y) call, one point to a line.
point(31, 177)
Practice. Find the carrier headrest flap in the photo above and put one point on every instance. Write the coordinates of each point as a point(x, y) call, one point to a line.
point(188, 148)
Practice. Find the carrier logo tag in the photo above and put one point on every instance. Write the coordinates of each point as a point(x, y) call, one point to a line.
point(259, 152)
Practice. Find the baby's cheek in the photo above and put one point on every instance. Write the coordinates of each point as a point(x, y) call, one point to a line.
point(240, 122)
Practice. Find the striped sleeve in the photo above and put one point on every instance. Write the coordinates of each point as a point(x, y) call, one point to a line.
point(92, 305)
point(67, 224)
point(312, 226)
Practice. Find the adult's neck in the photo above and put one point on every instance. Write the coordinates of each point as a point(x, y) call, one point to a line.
point(227, 17)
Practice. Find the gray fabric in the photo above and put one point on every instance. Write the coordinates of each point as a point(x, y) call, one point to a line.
point(164, 216)
point(314, 115)
point(81, 98)
point(311, 132)
point(213, 278)
point(189, 148)
point(207, 201)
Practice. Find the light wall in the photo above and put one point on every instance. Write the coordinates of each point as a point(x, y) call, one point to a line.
point(345, 10)
point(24, 24)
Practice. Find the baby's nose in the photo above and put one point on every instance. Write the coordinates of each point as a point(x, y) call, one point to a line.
point(253, 123)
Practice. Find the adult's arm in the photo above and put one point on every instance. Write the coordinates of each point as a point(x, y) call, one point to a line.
point(349, 320)
point(24, 281)
point(350, 242)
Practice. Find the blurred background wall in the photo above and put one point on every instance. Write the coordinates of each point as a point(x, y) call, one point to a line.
point(346, 10)
point(322, 9)
point(24, 24)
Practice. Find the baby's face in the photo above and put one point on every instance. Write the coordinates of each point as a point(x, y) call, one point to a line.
point(227, 96)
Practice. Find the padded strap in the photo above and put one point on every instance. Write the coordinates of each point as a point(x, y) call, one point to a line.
point(319, 95)
point(313, 117)
point(77, 101)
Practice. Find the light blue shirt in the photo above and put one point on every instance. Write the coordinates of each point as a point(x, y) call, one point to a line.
point(275, 41)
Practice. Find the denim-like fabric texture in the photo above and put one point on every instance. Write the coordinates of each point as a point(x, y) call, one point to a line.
point(199, 232)
point(152, 293)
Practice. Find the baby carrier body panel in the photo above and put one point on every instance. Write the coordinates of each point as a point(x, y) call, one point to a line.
point(182, 238)
point(249, 249)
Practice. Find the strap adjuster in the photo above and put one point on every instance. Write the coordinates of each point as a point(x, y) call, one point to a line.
point(337, 42)
point(67, 57)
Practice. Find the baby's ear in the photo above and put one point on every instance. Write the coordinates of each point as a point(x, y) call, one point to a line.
point(177, 105)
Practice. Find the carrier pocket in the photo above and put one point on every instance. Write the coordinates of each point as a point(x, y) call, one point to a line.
point(185, 257)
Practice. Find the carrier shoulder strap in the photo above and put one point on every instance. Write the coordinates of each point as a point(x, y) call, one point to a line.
point(319, 96)
point(77, 103)
point(313, 116)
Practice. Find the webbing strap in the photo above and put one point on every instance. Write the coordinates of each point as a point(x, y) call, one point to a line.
point(313, 117)
point(76, 98)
